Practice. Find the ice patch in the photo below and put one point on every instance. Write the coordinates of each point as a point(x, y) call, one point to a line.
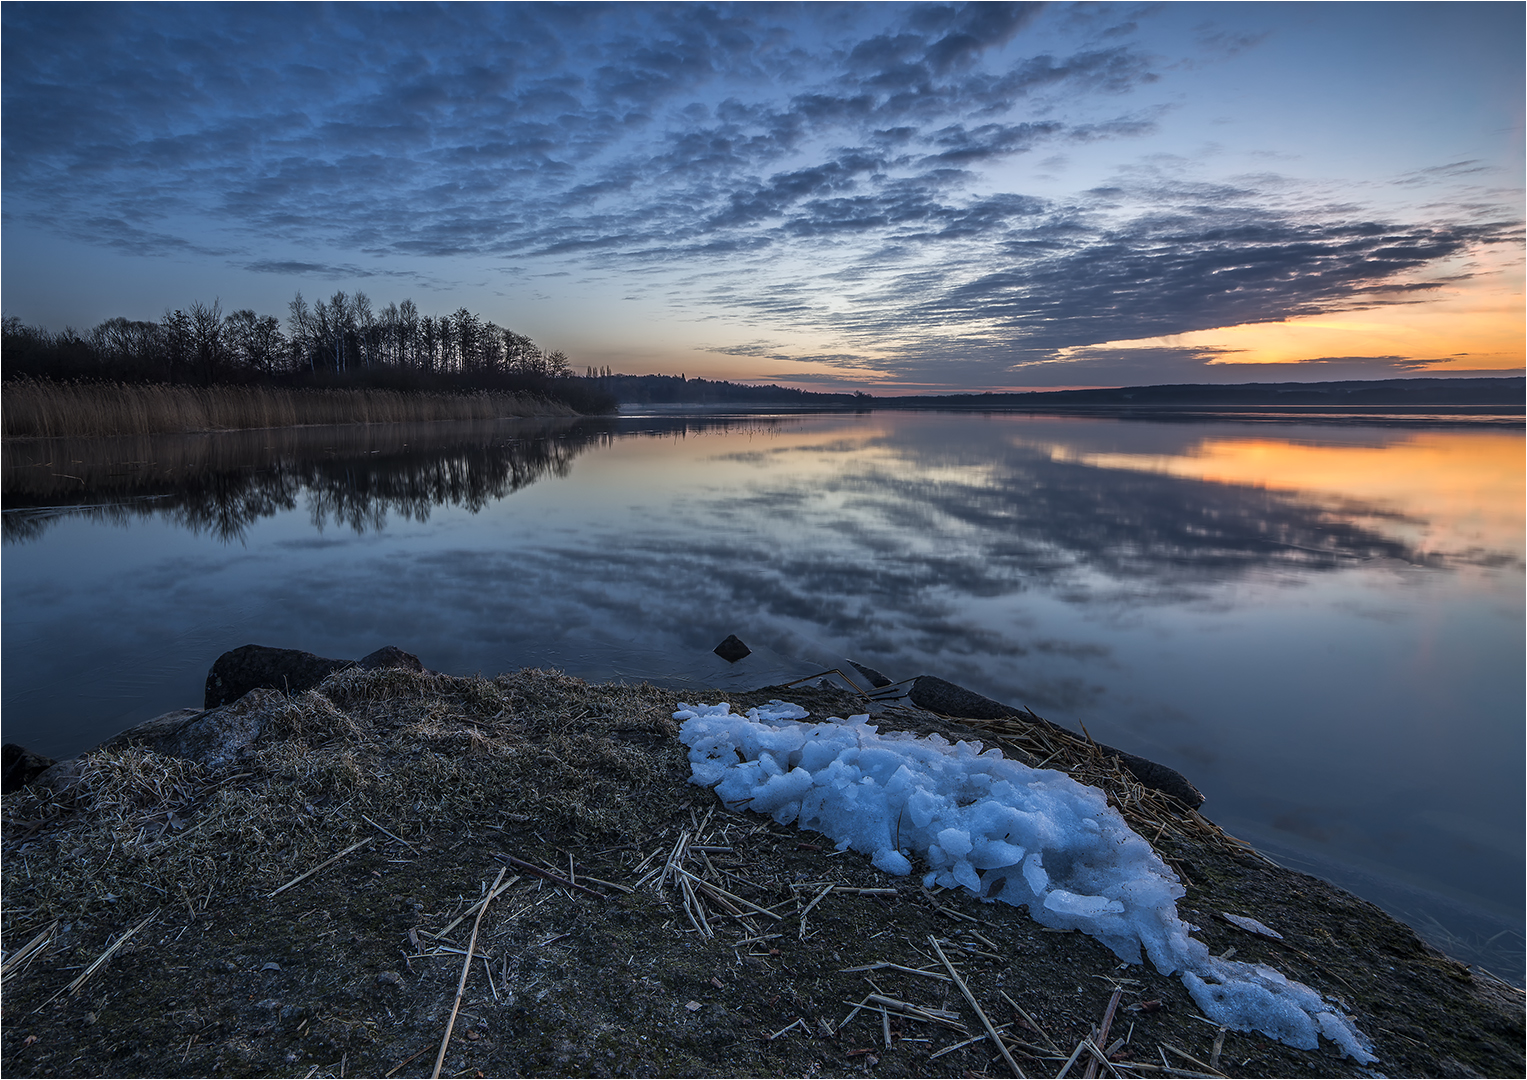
point(1000, 829)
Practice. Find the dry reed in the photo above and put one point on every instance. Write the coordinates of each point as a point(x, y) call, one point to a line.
point(31, 408)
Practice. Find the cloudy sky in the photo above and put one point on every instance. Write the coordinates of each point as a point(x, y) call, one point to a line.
point(886, 196)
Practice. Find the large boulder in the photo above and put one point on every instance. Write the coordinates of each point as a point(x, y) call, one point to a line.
point(941, 696)
point(21, 767)
point(216, 738)
point(291, 671)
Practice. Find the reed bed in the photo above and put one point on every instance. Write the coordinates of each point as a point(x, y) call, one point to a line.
point(31, 408)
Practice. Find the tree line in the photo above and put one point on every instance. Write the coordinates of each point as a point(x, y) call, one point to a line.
point(345, 340)
point(679, 389)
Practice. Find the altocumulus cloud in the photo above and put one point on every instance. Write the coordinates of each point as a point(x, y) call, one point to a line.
point(843, 151)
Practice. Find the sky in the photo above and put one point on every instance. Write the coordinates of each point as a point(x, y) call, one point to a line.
point(890, 197)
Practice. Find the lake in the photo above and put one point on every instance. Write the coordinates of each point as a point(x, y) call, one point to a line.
point(1320, 623)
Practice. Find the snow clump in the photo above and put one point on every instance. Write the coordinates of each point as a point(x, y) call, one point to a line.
point(1000, 829)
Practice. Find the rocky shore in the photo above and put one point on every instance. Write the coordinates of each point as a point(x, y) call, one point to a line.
point(298, 878)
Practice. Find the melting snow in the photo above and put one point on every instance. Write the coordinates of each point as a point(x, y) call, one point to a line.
point(1000, 829)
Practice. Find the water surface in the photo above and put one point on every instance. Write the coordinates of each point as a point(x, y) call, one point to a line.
point(1320, 624)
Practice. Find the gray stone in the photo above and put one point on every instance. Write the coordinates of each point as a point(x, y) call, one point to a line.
point(150, 732)
point(216, 738)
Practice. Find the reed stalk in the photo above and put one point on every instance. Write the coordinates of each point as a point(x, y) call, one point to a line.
point(37, 409)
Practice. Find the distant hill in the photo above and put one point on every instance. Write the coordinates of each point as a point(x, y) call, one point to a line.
point(1503, 393)
point(678, 390)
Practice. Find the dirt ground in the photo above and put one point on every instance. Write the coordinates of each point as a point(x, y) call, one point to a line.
point(639, 927)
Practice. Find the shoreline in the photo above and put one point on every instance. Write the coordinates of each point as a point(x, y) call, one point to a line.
point(36, 409)
point(437, 779)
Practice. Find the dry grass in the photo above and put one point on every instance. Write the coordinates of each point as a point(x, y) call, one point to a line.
point(310, 905)
point(469, 745)
point(36, 409)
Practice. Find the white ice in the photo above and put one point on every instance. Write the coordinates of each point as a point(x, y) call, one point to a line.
point(1000, 829)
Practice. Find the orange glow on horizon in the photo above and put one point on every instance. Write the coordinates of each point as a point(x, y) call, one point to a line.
point(1476, 324)
point(1450, 491)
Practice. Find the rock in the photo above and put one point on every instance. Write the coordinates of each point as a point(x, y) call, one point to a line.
point(876, 679)
point(214, 737)
point(21, 767)
point(150, 732)
point(291, 671)
point(732, 649)
point(940, 696)
point(390, 656)
point(251, 667)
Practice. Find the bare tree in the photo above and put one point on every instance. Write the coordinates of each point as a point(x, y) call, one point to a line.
point(255, 342)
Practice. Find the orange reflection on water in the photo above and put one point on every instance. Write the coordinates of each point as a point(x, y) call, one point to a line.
point(1455, 492)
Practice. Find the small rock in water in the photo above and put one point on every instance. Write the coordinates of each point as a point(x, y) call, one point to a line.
point(732, 649)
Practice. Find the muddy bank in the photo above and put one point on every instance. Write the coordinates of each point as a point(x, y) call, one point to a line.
point(599, 957)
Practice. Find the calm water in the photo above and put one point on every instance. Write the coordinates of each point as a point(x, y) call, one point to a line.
point(1320, 624)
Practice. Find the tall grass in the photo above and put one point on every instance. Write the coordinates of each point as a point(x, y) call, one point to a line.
point(33, 408)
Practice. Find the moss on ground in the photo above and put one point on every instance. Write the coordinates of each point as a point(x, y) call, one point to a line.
point(353, 971)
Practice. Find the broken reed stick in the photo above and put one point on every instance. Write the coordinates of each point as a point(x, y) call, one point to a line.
point(1096, 1055)
point(1102, 1039)
point(1219, 1045)
point(1031, 1022)
point(1167, 1070)
point(394, 835)
point(693, 909)
point(675, 857)
point(796, 1023)
point(974, 1004)
point(906, 1012)
point(437, 935)
point(807, 910)
point(1070, 1061)
point(915, 1012)
point(74, 987)
point(326, 863)
point(1190, 1058)
point(717, 890)
point(21, 955)
point(887, 965)
point(549, 876)
point(609, 884)
point(466, 969)
point(855, 1012)
point(957, 1046)
point(405, 1061)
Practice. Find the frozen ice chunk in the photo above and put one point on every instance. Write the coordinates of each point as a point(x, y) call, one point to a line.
point(1000, 829)
point(1069, 903)
point(1034, 874)
point(955, 841)
point(1251, 925)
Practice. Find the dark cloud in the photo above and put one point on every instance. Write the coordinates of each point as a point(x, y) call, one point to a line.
point(858, 141)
